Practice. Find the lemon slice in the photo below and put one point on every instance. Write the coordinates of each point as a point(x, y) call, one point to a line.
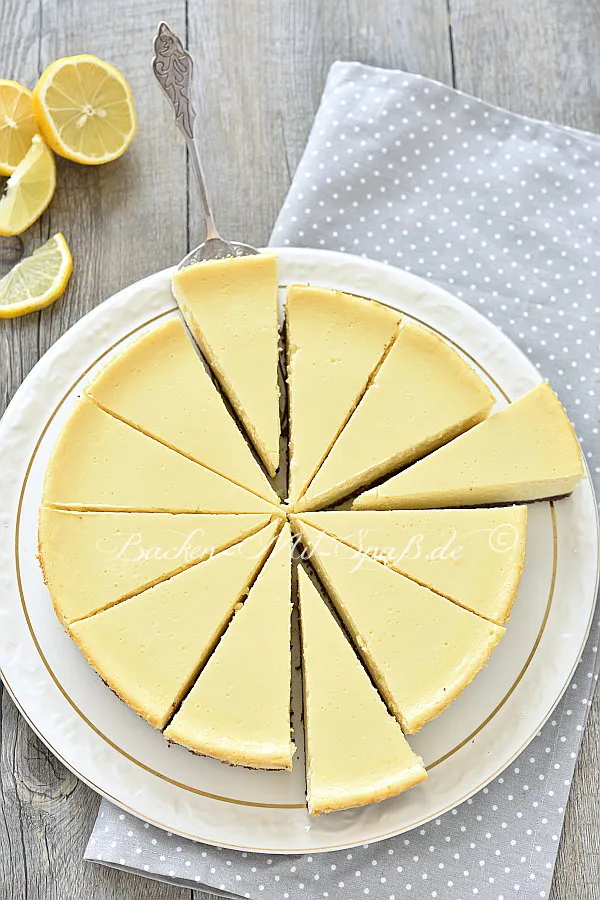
point(29, 189)
point(17, 125)
point(84, 109)
point(38, 280)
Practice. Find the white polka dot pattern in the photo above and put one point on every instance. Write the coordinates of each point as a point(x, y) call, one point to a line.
point(504, 212)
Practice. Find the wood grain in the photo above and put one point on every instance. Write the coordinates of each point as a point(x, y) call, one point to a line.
point(123, 221)
point(261, 67)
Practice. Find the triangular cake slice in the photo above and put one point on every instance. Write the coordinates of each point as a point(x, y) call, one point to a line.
point(526, 451)
point(422, 650)
point(423, 395)
point(159, 385)
point(239, 709)
point(100, 462)
point(334, 342)
point(231, 308)
point(92, 560)
point(472, 556)
point(149, 649)
point(355, 750)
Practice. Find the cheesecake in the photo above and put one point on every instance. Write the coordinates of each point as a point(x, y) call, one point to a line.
point(160, 385)
point(356, 752)
point(231, 308)
point(238, 711)
point(101, 463)
point(421, 649)
point(334, 342)
point(150, 649)
point(527, 451)
point(423, 395)
point(92, 560)
point(474, 557)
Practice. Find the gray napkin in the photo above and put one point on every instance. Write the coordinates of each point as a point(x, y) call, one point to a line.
point(504, 212)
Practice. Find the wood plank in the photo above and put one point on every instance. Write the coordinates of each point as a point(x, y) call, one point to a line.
point(261, 68)
point(540, 58)
point(123, 221)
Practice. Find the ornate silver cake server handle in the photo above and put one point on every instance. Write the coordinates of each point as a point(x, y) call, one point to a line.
point(173, 69)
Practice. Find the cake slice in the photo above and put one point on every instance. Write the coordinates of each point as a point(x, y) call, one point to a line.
point(159, 385)
point(238, 711)
point(231, 308)
point(472, 556)
point(355, 750)
point(149, 649)
point(101, 463)
point(92, 560)
point(423, 395)
point(526, 451)
point(421, 649)
point(334, 343)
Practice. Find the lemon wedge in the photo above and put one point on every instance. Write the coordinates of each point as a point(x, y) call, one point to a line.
point(29, 189)
point(17, 124)
point(84, 109)
point(38, 280)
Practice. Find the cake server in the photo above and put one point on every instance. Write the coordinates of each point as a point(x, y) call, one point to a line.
point(173, 69)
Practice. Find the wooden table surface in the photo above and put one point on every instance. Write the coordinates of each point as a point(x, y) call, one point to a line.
point(261, 66)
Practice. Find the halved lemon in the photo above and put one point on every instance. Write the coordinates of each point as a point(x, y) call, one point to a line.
point(38, 280)
point(17, 124)
point(29, 189)
point(84, 109)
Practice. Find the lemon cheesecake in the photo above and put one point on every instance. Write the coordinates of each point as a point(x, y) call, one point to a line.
point(421, 649)
point(238, 711)
point(355, 750)
point(472, 556)
point(423, 395)
point(92, 560)
point(334, 341)
point(149, 649)
point(159, 384)
point(526, 451)
point(100, 462)
point(231, 308)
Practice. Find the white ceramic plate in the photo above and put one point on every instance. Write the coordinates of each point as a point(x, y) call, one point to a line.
point(103, 742)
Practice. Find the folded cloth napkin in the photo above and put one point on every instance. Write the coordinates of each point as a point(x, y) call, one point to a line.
point(504, 212)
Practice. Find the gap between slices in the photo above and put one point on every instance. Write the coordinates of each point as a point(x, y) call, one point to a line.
point(356, 752)
point(192, 418)
point(238, 711)
point(101, 463)
point(473, 557)
point(113, 556)
point(397, 625)
point(231, 308)
point(334, 343)
point(171, 629)
point(422, 395)
point(526, 451)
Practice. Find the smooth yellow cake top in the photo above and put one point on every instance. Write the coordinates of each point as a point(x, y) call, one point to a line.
point(423, 395)
point(239, 708)
point(159, 384)
point(334, 342)
point(100, 462)
point(526, 451)
point(421, 649)
point(231, 308)
point(92, 560)
point(149, 649)
point(473, 556)
point(356, 752)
